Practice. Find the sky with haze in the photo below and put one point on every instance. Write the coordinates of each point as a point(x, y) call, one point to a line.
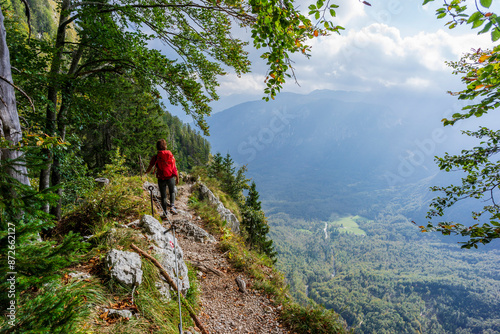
point(390, 44)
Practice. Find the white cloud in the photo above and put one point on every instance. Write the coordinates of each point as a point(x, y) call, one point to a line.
point(394, 43)
point(350, 12)
point(418, 83)
point(379, 55)
point(251, 83)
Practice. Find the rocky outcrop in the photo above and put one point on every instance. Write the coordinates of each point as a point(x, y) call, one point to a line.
point(125, 267)
point(224, 213)
point(112, 313)
point(78, 275)
point(165, 249)
point(194, 232)
point(102, 182)
point(156, 191)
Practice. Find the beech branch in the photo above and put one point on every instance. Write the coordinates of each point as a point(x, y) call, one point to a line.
point(247, 18)
point(28, 17)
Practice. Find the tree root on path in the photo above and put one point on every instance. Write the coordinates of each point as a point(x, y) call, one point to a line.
point(174, 286)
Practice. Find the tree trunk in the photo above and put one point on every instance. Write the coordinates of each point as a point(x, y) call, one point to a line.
point(52, 92)
point(67, 94)
point(10, 128)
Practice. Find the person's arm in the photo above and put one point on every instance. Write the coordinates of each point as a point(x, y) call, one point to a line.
point(151, 164)
point(176, 173)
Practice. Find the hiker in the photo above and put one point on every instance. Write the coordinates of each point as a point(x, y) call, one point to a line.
point(166, 173)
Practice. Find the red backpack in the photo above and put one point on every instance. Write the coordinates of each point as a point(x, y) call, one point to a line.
point(165, 165)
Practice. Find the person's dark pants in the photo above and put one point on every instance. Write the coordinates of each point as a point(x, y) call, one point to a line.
point(162, 185)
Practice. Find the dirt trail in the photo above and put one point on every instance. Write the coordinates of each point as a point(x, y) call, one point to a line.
point(224, 308)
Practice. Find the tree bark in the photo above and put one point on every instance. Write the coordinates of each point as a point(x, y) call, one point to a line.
point(10, 128)
point(67, 94)
point(52, 92)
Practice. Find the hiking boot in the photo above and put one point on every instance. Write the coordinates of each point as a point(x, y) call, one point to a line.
point(163, 216)
point(173, 210)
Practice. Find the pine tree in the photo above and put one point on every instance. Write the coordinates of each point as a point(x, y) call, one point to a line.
point(233, 182)
point(215, 167)
point(228, 176)
point(255, 223)
point(252, 200)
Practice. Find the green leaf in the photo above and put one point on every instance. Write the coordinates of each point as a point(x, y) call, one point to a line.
point(495, 35)
point(426, 2)
point(475, 16)
point(441, 15)
point(486, 28)
point(486, 3)
point(477, 23)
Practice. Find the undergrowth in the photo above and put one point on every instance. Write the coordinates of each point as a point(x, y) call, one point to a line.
point(118, 202)
point(123, 201)
point(66, 305)
point(57, 307)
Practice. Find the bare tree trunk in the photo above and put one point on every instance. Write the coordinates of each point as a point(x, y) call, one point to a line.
point(10, 128)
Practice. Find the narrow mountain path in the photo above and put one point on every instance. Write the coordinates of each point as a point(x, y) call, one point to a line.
point(224, 308)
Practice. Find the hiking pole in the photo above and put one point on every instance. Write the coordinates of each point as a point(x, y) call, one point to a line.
point(151, 188)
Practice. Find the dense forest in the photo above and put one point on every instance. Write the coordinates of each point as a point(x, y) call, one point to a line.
point(107, 111)
point(391, 280)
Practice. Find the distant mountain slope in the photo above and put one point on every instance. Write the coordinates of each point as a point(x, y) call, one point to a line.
point(336, 150)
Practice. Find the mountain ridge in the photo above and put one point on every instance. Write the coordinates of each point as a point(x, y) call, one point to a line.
point(322, 140)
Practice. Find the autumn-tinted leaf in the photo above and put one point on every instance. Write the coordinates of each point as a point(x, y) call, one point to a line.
point(483, 58)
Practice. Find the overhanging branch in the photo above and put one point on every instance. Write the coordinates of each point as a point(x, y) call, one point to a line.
point(21, 91)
